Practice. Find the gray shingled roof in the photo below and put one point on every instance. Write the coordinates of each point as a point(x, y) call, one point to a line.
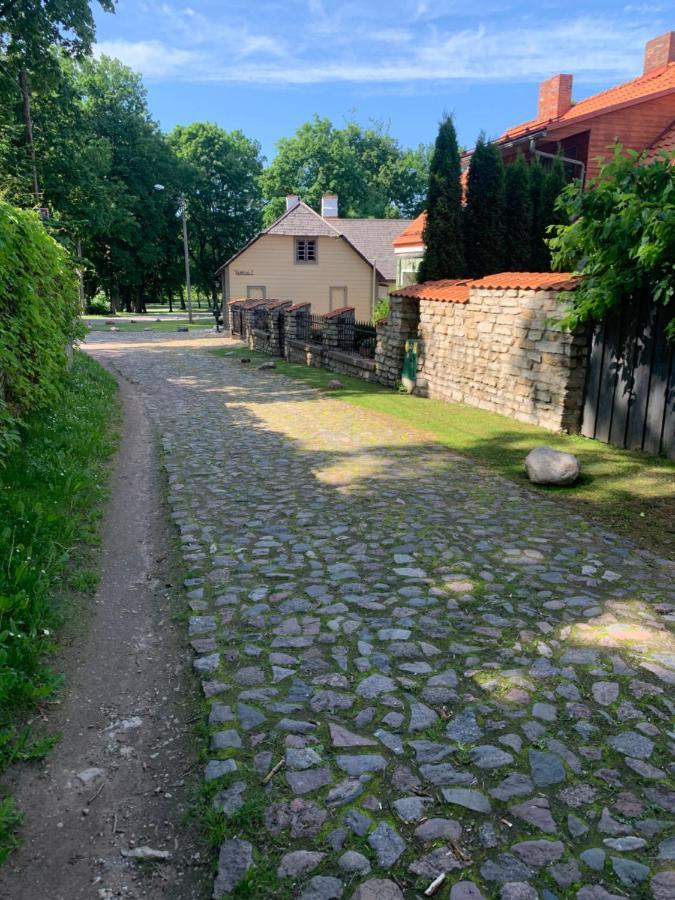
point(372, 238)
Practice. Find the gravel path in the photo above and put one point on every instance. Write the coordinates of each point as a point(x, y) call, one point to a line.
point(458, 678)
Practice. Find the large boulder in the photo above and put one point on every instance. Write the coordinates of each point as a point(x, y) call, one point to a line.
point(548, 466)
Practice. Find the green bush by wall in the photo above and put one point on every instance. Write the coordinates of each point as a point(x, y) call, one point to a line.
point(38, 318)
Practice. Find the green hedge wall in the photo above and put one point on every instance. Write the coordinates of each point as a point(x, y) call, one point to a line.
point(38, 318)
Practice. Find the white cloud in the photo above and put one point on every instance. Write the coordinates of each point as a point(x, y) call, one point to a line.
point(312, 46)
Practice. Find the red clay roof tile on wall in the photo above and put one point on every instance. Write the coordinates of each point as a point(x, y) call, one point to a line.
point(533, 281)
point(448, 290)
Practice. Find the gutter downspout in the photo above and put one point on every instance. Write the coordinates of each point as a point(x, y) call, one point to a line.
point(565, 159)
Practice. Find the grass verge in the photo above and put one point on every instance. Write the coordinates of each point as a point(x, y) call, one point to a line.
point(51, 493)
point(628, 492)
point(149, 325)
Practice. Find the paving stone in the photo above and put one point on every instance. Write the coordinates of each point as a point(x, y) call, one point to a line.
point(344, 792)
point(387, 844)
point(435, 863)
point(216, 768)
point(594, 858)
point(309, 780)
point(628, 871)
point(230, 800)
point(535, 812)
point(374, 685)
point(352, 861)
point(467, 798)
point(378, 889)
point(359, 764)
point(322, 887)
point(357, 822)
point(439, 829)
point(663, 885)
point(546, 768)
point(464, 728)
point(342, 737)
point(487, 756)
point(518, 890)
point(410, 809)
point(632, 744)
point(234, 860)
point(505, 868)
point(297, 862)
point(539, 853)
point(465, 890)
point(222, 740)
point(515, 785)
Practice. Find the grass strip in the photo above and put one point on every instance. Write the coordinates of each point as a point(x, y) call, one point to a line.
point(624, 491)
point(52, 489)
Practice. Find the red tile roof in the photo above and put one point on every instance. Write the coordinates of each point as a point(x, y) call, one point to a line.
point(457, 290)
point(412, 236)
point(450, 290)
point(645, 87)
point(533, 281)
point(338, 312)
point(665, 141)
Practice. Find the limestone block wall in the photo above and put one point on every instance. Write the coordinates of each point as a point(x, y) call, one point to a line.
point(401, 324)
point(500, 352)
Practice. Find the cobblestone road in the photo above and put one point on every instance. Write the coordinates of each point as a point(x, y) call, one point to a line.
point(458, 678)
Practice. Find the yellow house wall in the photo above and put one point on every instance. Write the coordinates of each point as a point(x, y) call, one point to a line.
point(271, 262)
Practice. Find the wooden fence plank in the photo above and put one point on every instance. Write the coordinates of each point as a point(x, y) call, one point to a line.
point(668, 440)
point(644, 359)
point(658, 386)
point(623, 388)
point(593, 374)
point(608, 378)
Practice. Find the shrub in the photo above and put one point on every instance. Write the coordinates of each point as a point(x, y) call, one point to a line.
point(38, 318)
point(98, 305)
point(381, 310)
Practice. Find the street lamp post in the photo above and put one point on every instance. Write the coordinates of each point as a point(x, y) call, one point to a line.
point(186, 252)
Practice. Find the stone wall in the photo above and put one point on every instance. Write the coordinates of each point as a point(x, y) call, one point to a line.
point(401, 324)
point(500, 352)
point(322, 357)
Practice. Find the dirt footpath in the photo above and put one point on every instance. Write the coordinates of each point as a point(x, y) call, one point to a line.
point(125, 770)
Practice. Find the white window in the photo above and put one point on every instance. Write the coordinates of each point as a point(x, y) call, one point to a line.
point(305, 250)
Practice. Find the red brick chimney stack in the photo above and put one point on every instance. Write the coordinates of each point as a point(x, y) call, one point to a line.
point(555, 97)
point(659, 51)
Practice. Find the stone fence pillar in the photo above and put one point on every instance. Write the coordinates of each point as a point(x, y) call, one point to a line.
point(332, 321)
point(250, 308)
point(277, 310)
point(297, 321)
point(400, 325)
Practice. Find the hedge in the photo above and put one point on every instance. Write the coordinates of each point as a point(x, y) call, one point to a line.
point(38, 318)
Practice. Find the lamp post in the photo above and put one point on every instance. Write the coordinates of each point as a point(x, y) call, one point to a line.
point(186, 253)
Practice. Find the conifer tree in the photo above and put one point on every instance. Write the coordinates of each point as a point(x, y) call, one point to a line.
point(444, 254)
point(484, 211)
point(539, 259)
point(554, 182)
point(518, 216)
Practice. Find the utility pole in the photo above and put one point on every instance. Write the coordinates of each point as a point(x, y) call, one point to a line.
point(28, 123)
point(186, 254)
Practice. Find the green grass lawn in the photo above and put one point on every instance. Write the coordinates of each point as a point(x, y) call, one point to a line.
point(625, 491)
point(52, 489)
point(148, 324)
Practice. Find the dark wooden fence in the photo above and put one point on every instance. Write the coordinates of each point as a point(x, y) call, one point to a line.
point(630, 383)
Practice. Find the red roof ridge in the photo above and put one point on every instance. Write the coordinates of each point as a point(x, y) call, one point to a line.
point(458, 290)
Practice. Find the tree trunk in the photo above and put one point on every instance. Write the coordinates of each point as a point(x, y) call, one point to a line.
point(182, 299)
point(170, 301)
point(28, 124)
point(115, 299)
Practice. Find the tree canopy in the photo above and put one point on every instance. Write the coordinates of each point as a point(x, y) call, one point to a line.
point(367, 168)
point(620, 236)
point(484, 211)
point(443, 233)
point(220, 174)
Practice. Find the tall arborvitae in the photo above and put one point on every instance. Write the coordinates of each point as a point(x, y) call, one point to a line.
point(444, 254)
point(539, 261)
point(484, 211)
point(554, 182)
point(518, 216)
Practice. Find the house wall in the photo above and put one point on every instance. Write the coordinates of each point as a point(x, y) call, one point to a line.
point(270, 262)
point(499, 352)
point(636, 127)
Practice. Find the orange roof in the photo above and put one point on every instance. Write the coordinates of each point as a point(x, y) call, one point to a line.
point(533, 281)
point(457, 290)
point(645, 87)
point(450, 290)
point(665, 141)
point(412, 236)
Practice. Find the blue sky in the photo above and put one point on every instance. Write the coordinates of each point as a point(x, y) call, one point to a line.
point(265, 66)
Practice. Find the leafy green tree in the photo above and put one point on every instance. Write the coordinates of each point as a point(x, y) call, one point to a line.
point(620, 236)
point(444, 254)
point(220, 173)
point(366, 167)
point(546, 184)
point(517, 216)
point(484, 211)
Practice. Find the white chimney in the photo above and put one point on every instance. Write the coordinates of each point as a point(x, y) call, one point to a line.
point(329, 206)
point(291, 201)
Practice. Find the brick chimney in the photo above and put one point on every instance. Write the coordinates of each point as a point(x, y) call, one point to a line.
point(329, 206)
point(291, 201)
point(555, 97)
point(659, 51)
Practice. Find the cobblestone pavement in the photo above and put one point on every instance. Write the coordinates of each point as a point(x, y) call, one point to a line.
point(446, 675)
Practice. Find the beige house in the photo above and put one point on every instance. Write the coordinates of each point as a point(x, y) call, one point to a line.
point(322, 259)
